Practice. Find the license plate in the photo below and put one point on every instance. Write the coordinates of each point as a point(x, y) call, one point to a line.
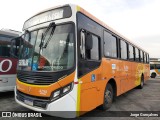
point(28, 102)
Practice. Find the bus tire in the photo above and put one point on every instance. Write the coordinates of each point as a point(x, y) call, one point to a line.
point(153, 75)
point(108, 97)
point(142, 82)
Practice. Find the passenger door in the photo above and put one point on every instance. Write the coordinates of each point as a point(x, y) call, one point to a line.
point(89, 70)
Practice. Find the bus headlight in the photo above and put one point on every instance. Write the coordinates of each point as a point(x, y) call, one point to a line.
point(61, 92)
point(67, 88)
point(56, 94)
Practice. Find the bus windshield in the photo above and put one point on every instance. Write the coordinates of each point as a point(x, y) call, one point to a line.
point(56, 53)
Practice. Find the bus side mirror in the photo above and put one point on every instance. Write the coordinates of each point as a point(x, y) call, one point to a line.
point(89, 42)
point(15, 43)
point(17, 40)
point(27, 35)
point(82, 46)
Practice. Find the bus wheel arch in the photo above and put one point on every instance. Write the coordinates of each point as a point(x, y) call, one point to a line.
point(114, 86)
point(142, 82)
point(109, 94)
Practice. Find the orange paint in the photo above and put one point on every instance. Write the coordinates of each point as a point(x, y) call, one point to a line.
point(126, 75)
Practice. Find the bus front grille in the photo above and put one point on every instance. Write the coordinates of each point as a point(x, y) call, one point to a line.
point(35, 79)
point(36, 101)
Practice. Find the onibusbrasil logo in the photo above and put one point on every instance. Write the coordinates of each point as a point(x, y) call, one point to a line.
point(20, 114)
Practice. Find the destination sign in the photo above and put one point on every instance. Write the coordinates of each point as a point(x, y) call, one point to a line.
point(54, 14)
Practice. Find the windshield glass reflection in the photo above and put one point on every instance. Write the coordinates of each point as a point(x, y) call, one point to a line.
point(57, 55)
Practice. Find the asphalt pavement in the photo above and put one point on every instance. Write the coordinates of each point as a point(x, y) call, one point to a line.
point(136, 102)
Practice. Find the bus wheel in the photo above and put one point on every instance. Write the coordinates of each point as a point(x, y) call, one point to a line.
point(153, 75)
point(108, 97)
point(142, 82)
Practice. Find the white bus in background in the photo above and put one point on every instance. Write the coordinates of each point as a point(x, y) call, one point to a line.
point(154, 67)
point(8, 63)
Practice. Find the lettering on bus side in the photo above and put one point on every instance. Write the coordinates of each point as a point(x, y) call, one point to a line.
point(5, 65)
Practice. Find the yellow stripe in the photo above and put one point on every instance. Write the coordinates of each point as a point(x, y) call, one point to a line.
point(78, 98)
point(78, 8)
point(32, 85)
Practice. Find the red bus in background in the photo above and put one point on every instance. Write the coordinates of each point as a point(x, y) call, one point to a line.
point(8, 62)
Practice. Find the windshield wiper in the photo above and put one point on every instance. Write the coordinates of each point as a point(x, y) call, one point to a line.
point(41, 45)
point(51, 25)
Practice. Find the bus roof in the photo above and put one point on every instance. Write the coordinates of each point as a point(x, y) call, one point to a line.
point(6, 35)
point(10, 32)
point(154, 59)
point(80, 9)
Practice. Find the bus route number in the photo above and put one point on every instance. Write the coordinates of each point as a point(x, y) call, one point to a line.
point(23, 62)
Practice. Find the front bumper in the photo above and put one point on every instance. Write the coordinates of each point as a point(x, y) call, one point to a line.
point(63, 107)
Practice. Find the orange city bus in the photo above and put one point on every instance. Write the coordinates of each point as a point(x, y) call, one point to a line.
point(71, 61)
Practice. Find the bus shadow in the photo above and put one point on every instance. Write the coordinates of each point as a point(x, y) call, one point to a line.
point(6, 94)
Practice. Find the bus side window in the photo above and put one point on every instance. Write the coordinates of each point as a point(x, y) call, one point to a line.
point(141, 56)
point(123, 46)
point(145, 58)
point(110, 45)
point(131, 53)
point(4, 50)
point(152, 66)
point(136, 55)
point(157, 66)
point(94, 52)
